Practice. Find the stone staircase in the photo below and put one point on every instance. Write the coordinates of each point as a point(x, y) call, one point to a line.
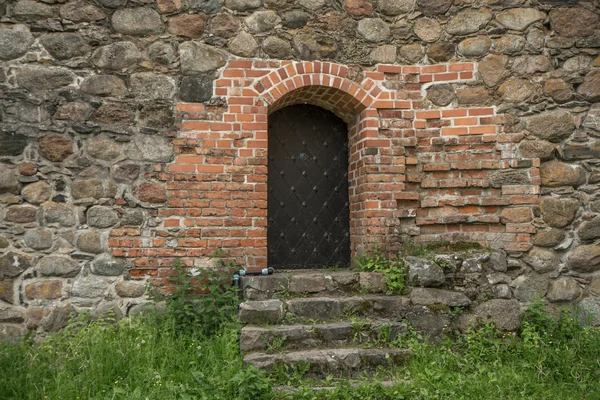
point(339, 322)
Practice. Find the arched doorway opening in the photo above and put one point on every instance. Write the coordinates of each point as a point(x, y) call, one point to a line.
point(308, 199)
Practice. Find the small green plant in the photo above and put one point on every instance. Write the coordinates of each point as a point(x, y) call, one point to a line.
point(204, 299)
point(384, 334)
point(395, 273)
point(289, 318)
point(276, 344)
point(359, 328)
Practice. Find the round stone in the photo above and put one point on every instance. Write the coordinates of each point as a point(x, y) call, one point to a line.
point(81, 11)
point(116, 56)
point(558, 89)
point(101, 217)
point(244, 45)
point(475, 47)
point(161, 53)
point(37, 192)
point(103, 148)
point(573, 22)
point(373, 29)
point(554, 126)
point(585, 258)
point(384, 54)
point(518, 19)
point(413, 53)
point(515, 90)
point(38, 78)
point(468, 21)
point(59, 213)
point(541, 149)
point(509, 44)
point(243, 5)
point(441, 95)
point(549, 237)
point(90, 242)
point(9, 182)
point(187, 25)
point(105, 265)
point(563, 289)
point(590, 88)
point(63, 46)
point(542, 260)
point(140, 21)
point(433, 7)
point(395, 7)
point(556, 174)
point(129, 289)
point(38, 239)
point(14, 41)
point(492, 69)
point(225, 25)
point(200, 58)
point(427, 29)
point(104, 86)
point(58, 266)
point(558, 212)
point(151, 192)
point(151, 86)
point(262, 21)
point(55, 148)
point(277, 48)
point(441, 51)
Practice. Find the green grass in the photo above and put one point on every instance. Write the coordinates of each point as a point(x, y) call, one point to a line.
point(152, 358)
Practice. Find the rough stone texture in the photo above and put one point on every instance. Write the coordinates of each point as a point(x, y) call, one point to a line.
point(25, 10)
point(151, 192)
point(549, 237)
point(552, 126)
point(542, 260)
point(13, 265)
point(492, 69)
point(515, 90)
point(505, 314)
point(187, 25)
point(531, 287)
point(38, 239)
point(260, 312)
point(573, 22)
point(90, 242)
point(58, 266)
point(101, 217)
point(468, 21)
point(590, 88)
point(519, 19)
point(395, 7)
point(585, 258)
point(262, 21)
point(58, 213)
point(427, 29)
point(559, 90)
point(161, 53)
point(243, 5)
point(243, 45)
point(44, 290)
point(55, 148)
point(425, 297)
point(200, 58)
point(149, 148)
point(108, 266)
point(129, 289)
point(20, 214)
point(359, 8)
point(14, 41)
point(441, 95)
point(81, 11)
point(563, 289)
point(475, 47)
point(558, 212)
point(276, 47)
point(104, 85)
point(150, 86)
point(423, 272)
point(140, 21)
point(509, 44)
point(441, 51)
point(9, 183)
point(37, 79)
point(116, 56)
point(555, 173)
point(433, 7)
point(374, 29)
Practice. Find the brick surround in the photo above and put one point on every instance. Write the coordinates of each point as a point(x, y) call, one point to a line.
point(415, 169)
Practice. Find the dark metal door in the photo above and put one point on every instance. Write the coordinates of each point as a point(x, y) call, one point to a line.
point(309, 222)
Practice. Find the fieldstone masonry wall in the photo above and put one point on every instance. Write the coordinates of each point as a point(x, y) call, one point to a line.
point(135, 132)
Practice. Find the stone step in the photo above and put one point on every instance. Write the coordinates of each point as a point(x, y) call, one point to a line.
point(283, 284)
point(337, 362)
point(318, 309)
point(331, 335)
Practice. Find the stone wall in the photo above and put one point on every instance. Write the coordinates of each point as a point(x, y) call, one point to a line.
point(97, 139)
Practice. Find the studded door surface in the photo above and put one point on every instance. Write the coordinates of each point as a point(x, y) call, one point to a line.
point(308, 189)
